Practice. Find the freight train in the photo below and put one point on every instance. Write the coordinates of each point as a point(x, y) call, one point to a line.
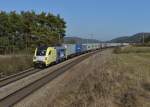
point(45, 56)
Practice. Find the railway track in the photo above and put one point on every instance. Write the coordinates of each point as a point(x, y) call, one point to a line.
point(18, 95)
point(18, 76)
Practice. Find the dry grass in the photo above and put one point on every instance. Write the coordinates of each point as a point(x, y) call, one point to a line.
point(13, 64)
point(132, 49)
point(105, 80)
point(119, 81)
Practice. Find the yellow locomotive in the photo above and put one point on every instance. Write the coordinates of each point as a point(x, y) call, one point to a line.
point(45, 56)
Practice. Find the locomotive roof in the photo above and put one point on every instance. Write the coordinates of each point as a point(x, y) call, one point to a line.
point(42, 47)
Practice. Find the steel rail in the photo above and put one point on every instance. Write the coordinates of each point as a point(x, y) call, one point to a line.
point(17, 76)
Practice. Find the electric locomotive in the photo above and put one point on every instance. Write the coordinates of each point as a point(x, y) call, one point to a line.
point(45, 56)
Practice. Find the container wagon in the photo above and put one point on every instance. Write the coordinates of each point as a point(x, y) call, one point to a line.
point(70, 50)
point(88, 47)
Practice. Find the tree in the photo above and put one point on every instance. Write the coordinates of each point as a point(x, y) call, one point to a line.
point(28, 29)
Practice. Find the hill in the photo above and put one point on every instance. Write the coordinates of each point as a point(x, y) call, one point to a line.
point(137, 38)
point(79, 40)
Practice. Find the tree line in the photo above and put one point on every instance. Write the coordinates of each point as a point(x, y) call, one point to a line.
point(26, 30)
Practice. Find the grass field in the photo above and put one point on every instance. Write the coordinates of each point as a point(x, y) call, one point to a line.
point(132, 49)
point(121, 80)
point(12, 64)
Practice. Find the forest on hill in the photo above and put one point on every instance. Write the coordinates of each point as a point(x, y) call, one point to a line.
point(136, 38)
point(28, 29)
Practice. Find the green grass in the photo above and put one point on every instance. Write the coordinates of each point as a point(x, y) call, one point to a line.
point(12, 64)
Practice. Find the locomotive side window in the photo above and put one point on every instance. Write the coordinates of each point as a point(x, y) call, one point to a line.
point(49, 53)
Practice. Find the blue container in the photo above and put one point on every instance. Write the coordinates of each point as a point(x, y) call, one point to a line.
point(60, 53)
point(78, 48)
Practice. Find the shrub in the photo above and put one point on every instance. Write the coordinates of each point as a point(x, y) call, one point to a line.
point(117, 50)
point(13, 64)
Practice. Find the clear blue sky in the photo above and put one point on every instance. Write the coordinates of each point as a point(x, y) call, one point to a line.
point(105, 19)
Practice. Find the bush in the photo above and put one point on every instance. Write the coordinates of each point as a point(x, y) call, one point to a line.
point(14, 64)
point(117, 50)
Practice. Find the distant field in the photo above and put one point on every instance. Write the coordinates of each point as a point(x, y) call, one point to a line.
point(104, 80)
point(132, 49)
point(11, 64)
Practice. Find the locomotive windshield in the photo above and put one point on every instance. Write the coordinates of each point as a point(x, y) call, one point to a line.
point(41, 51)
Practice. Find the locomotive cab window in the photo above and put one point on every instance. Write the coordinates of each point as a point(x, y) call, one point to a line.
point(49, 53)
point(41, 52)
